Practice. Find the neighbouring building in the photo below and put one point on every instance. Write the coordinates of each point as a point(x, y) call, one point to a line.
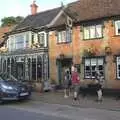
point(87, 34)
point(27, 56)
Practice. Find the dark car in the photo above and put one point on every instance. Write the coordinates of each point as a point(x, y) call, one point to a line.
point(13, 90)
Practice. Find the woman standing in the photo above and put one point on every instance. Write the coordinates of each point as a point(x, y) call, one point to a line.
point(67, 80)
point(75, 83)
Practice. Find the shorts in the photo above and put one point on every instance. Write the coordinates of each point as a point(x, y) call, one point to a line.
point(76, 88)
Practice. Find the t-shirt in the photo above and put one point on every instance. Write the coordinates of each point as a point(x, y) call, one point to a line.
point(75, 78)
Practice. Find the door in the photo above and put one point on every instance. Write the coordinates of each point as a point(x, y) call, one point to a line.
point(62, 65)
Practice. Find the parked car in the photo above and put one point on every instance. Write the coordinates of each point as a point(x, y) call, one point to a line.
point(13, 90)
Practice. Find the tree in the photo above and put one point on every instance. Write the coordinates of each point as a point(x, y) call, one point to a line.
point(7, 21)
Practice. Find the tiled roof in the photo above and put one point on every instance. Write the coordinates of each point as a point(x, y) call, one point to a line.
point(94, 9)
point(84, 10)
point(81, 10)
point(39, 20)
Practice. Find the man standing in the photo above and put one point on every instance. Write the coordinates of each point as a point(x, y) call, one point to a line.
point(98, 77)
point(75, 83)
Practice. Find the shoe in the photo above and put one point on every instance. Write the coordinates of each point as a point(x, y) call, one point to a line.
point(75, 98)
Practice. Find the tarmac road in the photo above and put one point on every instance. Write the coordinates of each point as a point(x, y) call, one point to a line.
point(31, 110)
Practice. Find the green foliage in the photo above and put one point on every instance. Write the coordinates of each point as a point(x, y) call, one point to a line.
point(7, 21)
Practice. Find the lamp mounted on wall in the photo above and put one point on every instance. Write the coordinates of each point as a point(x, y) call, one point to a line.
point(108, 50)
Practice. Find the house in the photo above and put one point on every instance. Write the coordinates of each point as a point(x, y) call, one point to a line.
point(90, 39)
point(27, 56)
point(84, 32)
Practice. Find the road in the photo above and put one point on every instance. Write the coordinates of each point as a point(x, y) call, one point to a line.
point(44, 111)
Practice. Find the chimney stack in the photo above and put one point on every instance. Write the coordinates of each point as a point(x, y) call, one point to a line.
point(33, 8)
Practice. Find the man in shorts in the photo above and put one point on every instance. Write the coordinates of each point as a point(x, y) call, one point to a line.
point(75, 83)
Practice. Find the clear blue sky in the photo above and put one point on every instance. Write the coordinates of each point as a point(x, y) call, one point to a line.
point(22, 7)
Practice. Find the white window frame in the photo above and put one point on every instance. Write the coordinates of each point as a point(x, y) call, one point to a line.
point(64, 36)
point(45, 38)
point(118, 69)
point(117, 28)
point(61, 38)
point(93, 31)
point(92, 63)
point(12, 43)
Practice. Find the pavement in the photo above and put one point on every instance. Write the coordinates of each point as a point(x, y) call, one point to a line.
point(108, 103)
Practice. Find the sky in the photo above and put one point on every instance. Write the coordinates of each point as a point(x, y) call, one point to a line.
point(22, 7)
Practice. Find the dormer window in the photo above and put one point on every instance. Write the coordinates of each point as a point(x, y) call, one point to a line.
point(41, 38)
point(64, 36)
point(117, 27)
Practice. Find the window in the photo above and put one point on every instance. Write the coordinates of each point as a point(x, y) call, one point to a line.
point(19, 39)
point(68, 35)
point(11, 43)
point(118, 67)
point(64, 36)
point(117, 27)
point(61, 36)
point(91, 64)
point(41, 39)
point(94, 31)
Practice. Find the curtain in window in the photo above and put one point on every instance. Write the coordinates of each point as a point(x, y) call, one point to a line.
point(92, 32)
point(19, 39)
point(118, 67)
point(68, 34)
point(61, 36)
point(41, 38)
point(11, 44)
point(117, 27)
point(98, 31)
point(86, 32)
point(27, 40)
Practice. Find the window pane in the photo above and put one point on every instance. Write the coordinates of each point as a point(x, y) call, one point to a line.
point(90, 66)
point(92, 32)
point(41, 38)
point(93, 61)
point(87, 68)
point(86, 32)
point(63, 36)
point(87, 62)
point(100, 61)
point(118, 67)
point(87, 75)
point(98, 31)
point(19, 39)
point(117, 27)
point(68, 34)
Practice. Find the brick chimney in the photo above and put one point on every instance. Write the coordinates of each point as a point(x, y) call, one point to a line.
point(33, 8)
